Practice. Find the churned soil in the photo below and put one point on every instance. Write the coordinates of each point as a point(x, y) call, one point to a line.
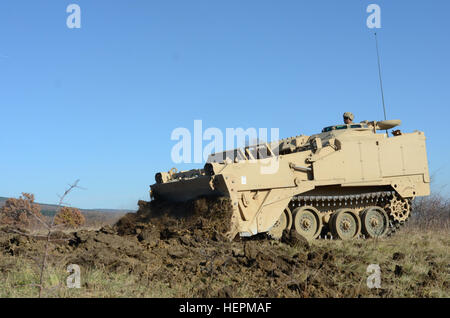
point(182, 246)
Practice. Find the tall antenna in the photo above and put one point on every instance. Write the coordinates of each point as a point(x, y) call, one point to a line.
point(379, 74)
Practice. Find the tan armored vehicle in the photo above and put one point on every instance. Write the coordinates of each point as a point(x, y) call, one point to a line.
point(347, 181)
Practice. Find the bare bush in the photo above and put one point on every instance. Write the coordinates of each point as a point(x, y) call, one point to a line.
point(21, 212)
point(70, 217)
point(431, 212)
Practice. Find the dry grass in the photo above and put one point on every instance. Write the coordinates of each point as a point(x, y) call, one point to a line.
point(422, 256)
point(20, 279)
point(431, 213)
point(414, 263)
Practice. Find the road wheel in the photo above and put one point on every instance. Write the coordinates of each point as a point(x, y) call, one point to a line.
point(374, 221)
point(307, 222)
point(283, 223)
point(345, 224)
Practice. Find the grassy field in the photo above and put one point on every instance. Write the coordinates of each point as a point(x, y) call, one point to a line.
point(173, 258)
point(413, 263)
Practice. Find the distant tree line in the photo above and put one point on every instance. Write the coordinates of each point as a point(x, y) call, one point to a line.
point(24, 212)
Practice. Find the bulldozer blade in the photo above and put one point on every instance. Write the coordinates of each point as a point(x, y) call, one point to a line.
point(185, 190)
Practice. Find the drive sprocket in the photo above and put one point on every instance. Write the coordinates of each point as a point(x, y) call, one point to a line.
point(398, 209)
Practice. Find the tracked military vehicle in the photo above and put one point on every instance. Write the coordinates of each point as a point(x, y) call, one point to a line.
point(345, 182)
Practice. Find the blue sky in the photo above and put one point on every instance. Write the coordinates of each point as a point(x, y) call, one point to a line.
point(99, 103)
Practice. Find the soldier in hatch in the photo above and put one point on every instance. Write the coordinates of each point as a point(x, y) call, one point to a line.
point(348, 118)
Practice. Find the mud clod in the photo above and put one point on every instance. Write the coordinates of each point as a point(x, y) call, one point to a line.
point(296, 286)
point(149, 235)
point(397, 256)
point(328, 256)
point(225, 292)
point(250, 251)
point(398, 271)
point(432, 274)
point(237, 252)
point(294, 239)
point(177, 252)
point(181, 247)
point(311, 256)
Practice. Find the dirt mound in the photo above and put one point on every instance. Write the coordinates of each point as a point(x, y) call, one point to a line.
point(181, 248)
point(211, 267)
point(208, 217)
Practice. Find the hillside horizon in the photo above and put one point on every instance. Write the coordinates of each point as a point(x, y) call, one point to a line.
point(47, 208)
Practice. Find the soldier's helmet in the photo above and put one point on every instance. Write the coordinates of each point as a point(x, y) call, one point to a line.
point(349, 115)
